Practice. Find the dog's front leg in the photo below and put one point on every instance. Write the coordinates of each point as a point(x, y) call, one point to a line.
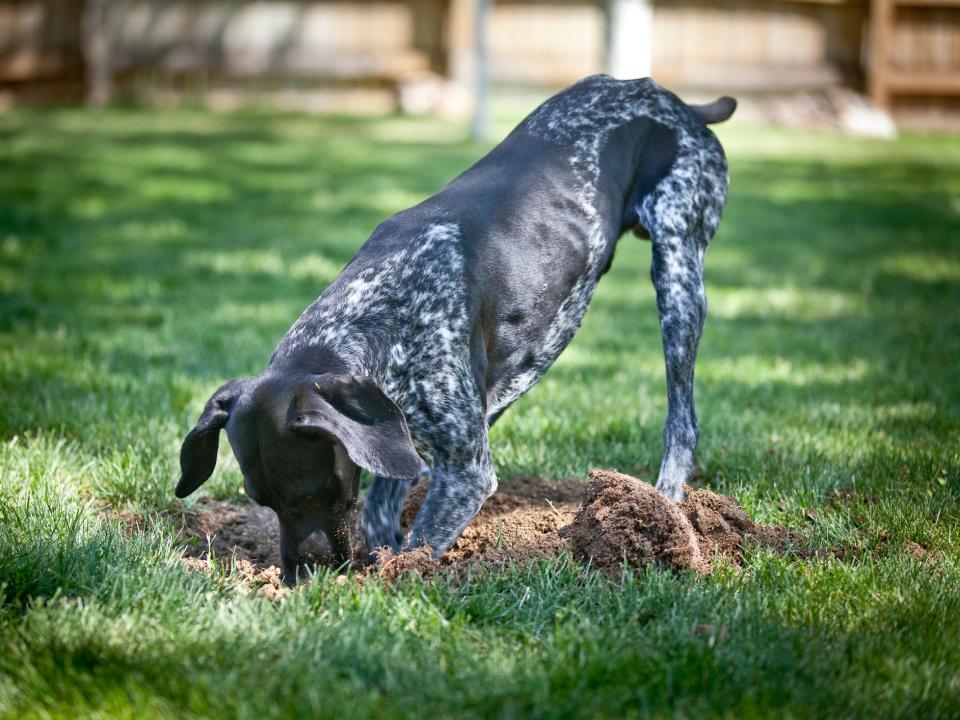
point(381, 513)
point(677, 273)
point(458, 488)
point(382, 508)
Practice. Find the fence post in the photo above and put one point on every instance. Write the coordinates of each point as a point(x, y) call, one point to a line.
point(881, 32)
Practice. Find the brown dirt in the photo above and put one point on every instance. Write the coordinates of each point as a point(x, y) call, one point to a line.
point(251, 531)
point(625, 520)
point(392, 567)
point(919, 551)
point(619, 518)
point(245, 536)
point(519, 523)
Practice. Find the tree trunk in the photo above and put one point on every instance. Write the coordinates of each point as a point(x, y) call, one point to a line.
point(96, 53)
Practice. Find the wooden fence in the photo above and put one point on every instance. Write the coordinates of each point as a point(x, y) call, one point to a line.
point(40, 40)
point(905, 51)
point(915, 58)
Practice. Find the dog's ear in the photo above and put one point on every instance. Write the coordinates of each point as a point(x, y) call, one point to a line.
point(367, 423)
point(198, 455)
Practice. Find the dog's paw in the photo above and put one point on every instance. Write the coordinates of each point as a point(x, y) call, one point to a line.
point(671, 491)
point(390, 539)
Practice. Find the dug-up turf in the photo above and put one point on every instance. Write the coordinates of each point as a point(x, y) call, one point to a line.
point(614, 519)
point(519, 523)
point(623, 519)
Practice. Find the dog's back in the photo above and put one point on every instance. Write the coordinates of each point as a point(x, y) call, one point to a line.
point(501, 264)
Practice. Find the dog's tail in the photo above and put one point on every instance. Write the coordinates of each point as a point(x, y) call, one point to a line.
point(717, 111)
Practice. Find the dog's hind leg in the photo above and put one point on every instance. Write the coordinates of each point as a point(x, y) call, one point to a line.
point(677, 272)
point(681, 216)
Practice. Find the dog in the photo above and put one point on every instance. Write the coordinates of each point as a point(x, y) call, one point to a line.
point(455, 308)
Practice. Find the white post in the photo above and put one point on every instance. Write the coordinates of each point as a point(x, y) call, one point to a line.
point(629, 38)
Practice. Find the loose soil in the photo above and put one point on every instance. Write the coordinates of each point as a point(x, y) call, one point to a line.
point(521, 522)
point(614, 519)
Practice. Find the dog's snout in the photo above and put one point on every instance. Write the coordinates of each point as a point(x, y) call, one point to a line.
point(315, 548)
point(299, 559)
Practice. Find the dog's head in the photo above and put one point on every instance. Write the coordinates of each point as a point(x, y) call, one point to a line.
point(300, 442)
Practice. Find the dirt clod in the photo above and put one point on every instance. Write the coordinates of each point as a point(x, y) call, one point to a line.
point(919, 551)
point(625, 520)
point(415, 562)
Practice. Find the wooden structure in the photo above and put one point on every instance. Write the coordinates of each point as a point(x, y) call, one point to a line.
point(914, 49)
point(759, 45)
point(40, 43)
point(542, 43)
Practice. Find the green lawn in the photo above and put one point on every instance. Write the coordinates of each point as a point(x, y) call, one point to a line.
point(146, 256)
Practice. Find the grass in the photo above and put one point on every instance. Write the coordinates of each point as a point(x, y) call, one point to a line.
point(145, 257)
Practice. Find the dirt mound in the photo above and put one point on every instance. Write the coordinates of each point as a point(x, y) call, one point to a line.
point(520, 522)
point(251, 531)
point(519, 516)
point(620, 518)
point(625, 520)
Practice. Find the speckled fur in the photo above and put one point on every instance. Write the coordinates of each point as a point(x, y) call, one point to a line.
point(409, 321)
point(404, 323)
